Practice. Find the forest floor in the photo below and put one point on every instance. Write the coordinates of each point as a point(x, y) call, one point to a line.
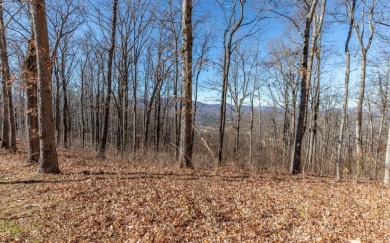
point(117, 201)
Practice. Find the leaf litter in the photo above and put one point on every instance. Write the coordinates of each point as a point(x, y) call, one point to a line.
point(117, 201)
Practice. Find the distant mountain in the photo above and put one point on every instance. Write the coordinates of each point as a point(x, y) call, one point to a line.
point(208, 114)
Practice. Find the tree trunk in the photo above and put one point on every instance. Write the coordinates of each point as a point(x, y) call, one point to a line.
point(286, 122)
point(359, 118)
point(252, 114)
point(57, 105)
point(384, 97)
point(103, 146)
point(177, 115)
point(30, 79)
point(303, 103)
point(185, 154)
point(48, 162)
point(360, 34)
point(227, 44)
point(65, 108)
point(345, 100)
point(135, 112)
point(386, 178)
point(315, 111)
point(83, 128)
point(149, 112)
point(9, 127)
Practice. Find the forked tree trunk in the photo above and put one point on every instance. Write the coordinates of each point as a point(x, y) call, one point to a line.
point(360, 34)
point(148, 113)
point(48, 162)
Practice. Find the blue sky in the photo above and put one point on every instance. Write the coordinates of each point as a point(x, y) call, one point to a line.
point(271, 29)
point(334, 37)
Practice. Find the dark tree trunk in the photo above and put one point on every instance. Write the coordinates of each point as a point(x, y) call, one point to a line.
point(303, 102)
point(30, 79)
point(9, 127)
point(65, 108)
point(103, 146)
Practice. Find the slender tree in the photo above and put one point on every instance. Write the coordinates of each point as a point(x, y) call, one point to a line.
point(364, 48)
point(185, 157)
point(386, 178)
point(234, 24)
point(103, 145)
point(351, 14)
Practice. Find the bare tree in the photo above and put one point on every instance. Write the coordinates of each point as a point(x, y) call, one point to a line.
point(64, 18)
point(159, 70)
point(351, 13)
point(48, 161)
point(174, 27)
point(364, 48)
point(103, 145)
point(284, 68)
point(233, 25)
point(238, 90)
point(199, 65)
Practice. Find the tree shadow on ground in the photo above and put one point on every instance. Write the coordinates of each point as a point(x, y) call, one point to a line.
point(101, 175)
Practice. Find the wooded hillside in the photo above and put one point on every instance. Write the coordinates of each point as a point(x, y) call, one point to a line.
point(181, 120)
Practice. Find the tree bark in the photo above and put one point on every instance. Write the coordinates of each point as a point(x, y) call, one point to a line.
point(9, 127)
point(315, 111)
point(359, 117)
point(30, 79)
point(48, 161)
point(185, 154)
point(303, 102)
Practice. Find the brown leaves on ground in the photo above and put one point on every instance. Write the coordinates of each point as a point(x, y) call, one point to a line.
point(114, 201)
